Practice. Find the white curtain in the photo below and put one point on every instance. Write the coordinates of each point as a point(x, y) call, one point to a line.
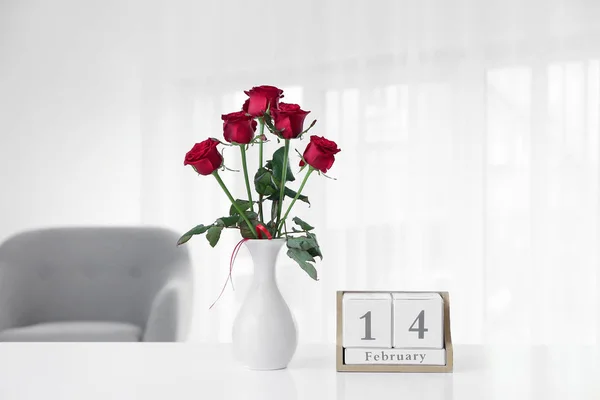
point(469, 136)
point(470, 144)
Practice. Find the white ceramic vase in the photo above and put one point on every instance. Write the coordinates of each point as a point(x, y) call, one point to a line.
point(264, 331)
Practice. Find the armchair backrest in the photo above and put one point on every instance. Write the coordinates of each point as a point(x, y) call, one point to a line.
point(99, 273)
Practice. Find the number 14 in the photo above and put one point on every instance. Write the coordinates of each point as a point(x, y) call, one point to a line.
point(420, 328)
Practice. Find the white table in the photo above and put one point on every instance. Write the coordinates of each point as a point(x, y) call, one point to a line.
point(197, 371)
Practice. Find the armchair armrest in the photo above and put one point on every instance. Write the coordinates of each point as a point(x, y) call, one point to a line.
point(10, 307)
point(169, 316)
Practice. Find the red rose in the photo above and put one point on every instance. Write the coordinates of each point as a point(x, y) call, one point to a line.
point(289, 118)
point(320, 153)
point(204, 157)
point(238, 127)
point(261, 97)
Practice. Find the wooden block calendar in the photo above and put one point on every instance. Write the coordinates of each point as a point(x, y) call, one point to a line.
point(393, 331)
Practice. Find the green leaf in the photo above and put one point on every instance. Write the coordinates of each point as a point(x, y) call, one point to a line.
point(227, 222)
point(315, 252)
point(306, 243)
point(270, 126)
point(315, 249)
point(305, 226)
point(274, 208)
point(251, 215)
point(304, 259)
point(213, 235)
point(246, 232)
point(295, 242)
point(242, 204)
point(289, 193)
point(277, 163)
point(244, 229)
point(271, 227)
point(264, 182)
point(197, 230)
point(292, 193)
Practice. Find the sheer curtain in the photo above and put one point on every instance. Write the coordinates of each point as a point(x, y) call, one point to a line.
point(469, 132)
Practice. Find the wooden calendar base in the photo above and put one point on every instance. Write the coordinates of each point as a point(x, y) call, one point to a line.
point(356, 359)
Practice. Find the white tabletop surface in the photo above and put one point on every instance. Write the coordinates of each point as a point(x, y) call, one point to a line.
point(200, 371)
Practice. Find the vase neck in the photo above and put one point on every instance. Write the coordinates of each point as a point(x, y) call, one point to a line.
point(264, 256)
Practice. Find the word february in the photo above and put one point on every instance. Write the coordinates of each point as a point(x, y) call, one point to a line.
point(364, 355)
point(383, 356)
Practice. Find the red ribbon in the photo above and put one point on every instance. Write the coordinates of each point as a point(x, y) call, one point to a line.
point(260, 230)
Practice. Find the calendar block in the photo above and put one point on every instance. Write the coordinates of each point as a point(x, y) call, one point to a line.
point(418, 320)
point(367, 320)
point(393, 332)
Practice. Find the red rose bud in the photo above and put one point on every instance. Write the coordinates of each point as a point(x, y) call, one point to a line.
point(238, 127)
point(289, 118)
point(204, 157)
point(260, 98)
point(320, 153)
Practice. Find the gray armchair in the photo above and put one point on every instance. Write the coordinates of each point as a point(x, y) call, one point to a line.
point(94, 285)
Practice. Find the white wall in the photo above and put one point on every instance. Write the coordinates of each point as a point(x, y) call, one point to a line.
point(69, 115)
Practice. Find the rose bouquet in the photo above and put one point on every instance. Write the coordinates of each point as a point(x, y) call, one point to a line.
point(252, 216)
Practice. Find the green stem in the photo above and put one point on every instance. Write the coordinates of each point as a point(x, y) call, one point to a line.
point(260, 164)
point(245, 166)
point(261, 132)
point(310, 170)
point(283, 180)
point(242, 214)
